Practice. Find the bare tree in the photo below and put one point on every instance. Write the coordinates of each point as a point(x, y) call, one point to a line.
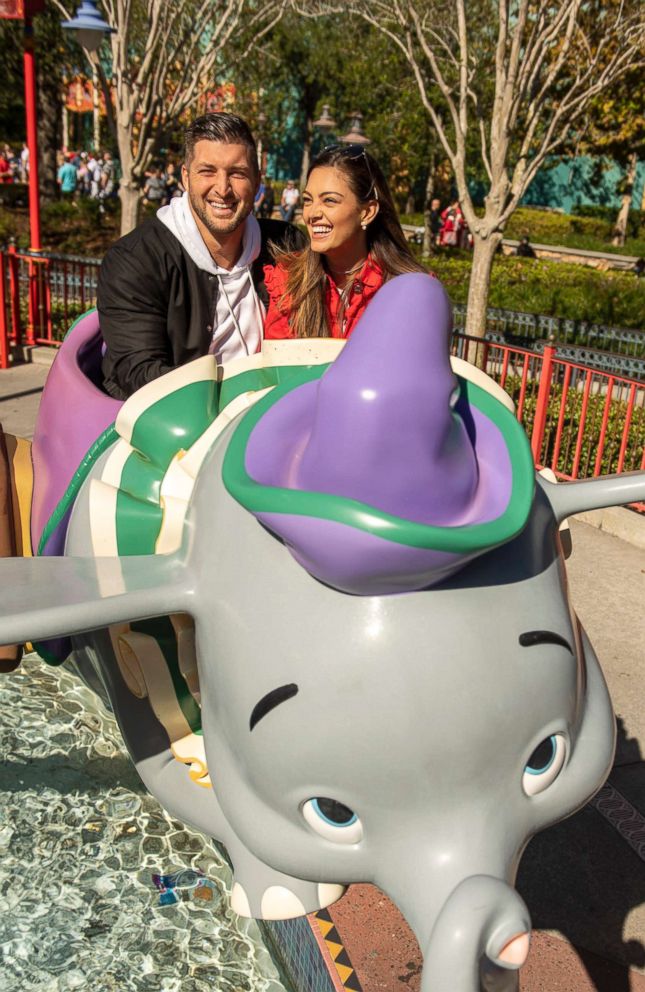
point(165, 55)
point(515, 78)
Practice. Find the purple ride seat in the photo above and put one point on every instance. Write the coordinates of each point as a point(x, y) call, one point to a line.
point(73, 413)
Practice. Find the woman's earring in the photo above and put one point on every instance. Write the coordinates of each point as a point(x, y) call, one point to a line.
point(364, 226)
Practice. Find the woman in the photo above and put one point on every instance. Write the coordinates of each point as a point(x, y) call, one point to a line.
point(355, 244)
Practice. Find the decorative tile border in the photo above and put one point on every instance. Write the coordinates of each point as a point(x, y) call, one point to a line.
point(348, 979)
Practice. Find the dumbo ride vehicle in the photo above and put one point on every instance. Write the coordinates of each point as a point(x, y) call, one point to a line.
point(324, 593)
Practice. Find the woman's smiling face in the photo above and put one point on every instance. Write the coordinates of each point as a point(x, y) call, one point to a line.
point(333, 213)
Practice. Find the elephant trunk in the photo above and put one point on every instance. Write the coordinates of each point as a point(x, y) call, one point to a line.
point(479, 940)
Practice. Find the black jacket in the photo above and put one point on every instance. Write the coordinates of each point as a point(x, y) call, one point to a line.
point(156, 306)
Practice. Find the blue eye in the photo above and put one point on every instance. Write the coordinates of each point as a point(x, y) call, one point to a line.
point(543, 757)
point(334, 812)
point(332, 820)
point(544, 764)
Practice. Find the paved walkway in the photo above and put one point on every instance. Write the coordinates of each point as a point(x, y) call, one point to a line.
point(20, 391)
point(583, 880)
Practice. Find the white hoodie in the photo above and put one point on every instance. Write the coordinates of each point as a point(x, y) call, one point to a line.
point(239, 315)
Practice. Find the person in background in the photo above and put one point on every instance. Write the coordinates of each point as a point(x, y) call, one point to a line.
point(289, 201)
point(24, 163)
point(355, 244)
point(269, 198)
point(525, 248)
point(108, 176)
point(173, 186)
point(83, 177)
point(259, 198)
point(452, 222)
point(5, 168)
point(154, 190)
point(66, 177)
point(435, 220)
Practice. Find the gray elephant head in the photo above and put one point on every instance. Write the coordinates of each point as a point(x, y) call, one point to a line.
point(393, 685)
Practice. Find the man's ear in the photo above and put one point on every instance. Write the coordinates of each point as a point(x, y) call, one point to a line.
point(184, 175)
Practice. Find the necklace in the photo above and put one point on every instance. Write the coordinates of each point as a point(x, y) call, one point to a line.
point(347, 272)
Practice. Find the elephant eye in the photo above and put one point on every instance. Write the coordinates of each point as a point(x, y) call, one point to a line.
point(333, 820)
point(544, 765)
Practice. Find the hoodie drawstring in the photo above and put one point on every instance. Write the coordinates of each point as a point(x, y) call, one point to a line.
point(256, 299)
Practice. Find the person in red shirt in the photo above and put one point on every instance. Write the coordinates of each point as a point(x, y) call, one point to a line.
point(355, 244)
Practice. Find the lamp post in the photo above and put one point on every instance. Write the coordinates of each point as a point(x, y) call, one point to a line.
point(325, 126)
point(90, 29)
point(355, 135)
point(29, 68)
point(88, 25)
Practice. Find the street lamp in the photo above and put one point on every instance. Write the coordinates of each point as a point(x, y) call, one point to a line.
point(89, 26)
point(355, 135)
point(325, 122)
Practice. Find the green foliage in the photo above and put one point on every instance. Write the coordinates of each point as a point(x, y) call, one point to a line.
point(557, 289)
point(590, 432)
point(635, 220)
point(306, 63)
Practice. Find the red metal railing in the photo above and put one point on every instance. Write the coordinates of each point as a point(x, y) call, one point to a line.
point(582, 422)
point(41, 296)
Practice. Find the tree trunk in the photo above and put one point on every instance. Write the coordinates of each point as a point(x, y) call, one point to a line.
point(129, 197)
point(620, 227)
point(428, 238)
point(49, 113)
point(306, 151)
point(478, 290)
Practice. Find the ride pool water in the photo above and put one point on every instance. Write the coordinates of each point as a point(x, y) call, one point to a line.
point(82, 846)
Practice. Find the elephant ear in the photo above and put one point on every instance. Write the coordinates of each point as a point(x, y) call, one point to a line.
point(52, 597)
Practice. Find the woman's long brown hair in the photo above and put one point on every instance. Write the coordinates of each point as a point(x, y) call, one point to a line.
point(306, 275)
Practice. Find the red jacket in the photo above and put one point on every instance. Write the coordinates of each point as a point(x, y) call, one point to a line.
point(369, 279)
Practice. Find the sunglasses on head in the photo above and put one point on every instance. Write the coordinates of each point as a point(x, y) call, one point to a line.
point(352, 153)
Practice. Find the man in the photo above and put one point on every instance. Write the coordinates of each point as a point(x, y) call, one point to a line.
point(289, 201)
point(66, 177)
point(189, 281)
point(154, 190)
point(525, 248)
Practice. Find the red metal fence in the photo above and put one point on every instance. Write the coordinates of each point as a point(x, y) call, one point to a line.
point(41, 296)
point(582, 422)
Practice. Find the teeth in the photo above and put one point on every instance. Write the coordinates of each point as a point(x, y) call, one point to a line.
point(318, 229)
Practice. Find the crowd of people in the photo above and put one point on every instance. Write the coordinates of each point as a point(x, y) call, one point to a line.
point(14, 165)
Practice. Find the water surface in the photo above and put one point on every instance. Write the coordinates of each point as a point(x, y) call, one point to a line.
point(82, 849)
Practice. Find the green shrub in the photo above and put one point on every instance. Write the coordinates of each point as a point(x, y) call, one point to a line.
point(555, 289)
point(591, 429)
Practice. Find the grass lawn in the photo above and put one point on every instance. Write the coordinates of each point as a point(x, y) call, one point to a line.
point(549, 228)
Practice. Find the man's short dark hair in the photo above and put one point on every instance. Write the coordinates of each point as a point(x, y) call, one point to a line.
point(229, 128)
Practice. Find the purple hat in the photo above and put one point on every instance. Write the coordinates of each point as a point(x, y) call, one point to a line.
point(384, 472)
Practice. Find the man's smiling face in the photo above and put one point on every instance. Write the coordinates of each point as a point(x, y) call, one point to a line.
point(221, 180)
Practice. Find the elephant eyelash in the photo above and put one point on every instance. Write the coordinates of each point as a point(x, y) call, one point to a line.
point(533, 637)
point(270, 701)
